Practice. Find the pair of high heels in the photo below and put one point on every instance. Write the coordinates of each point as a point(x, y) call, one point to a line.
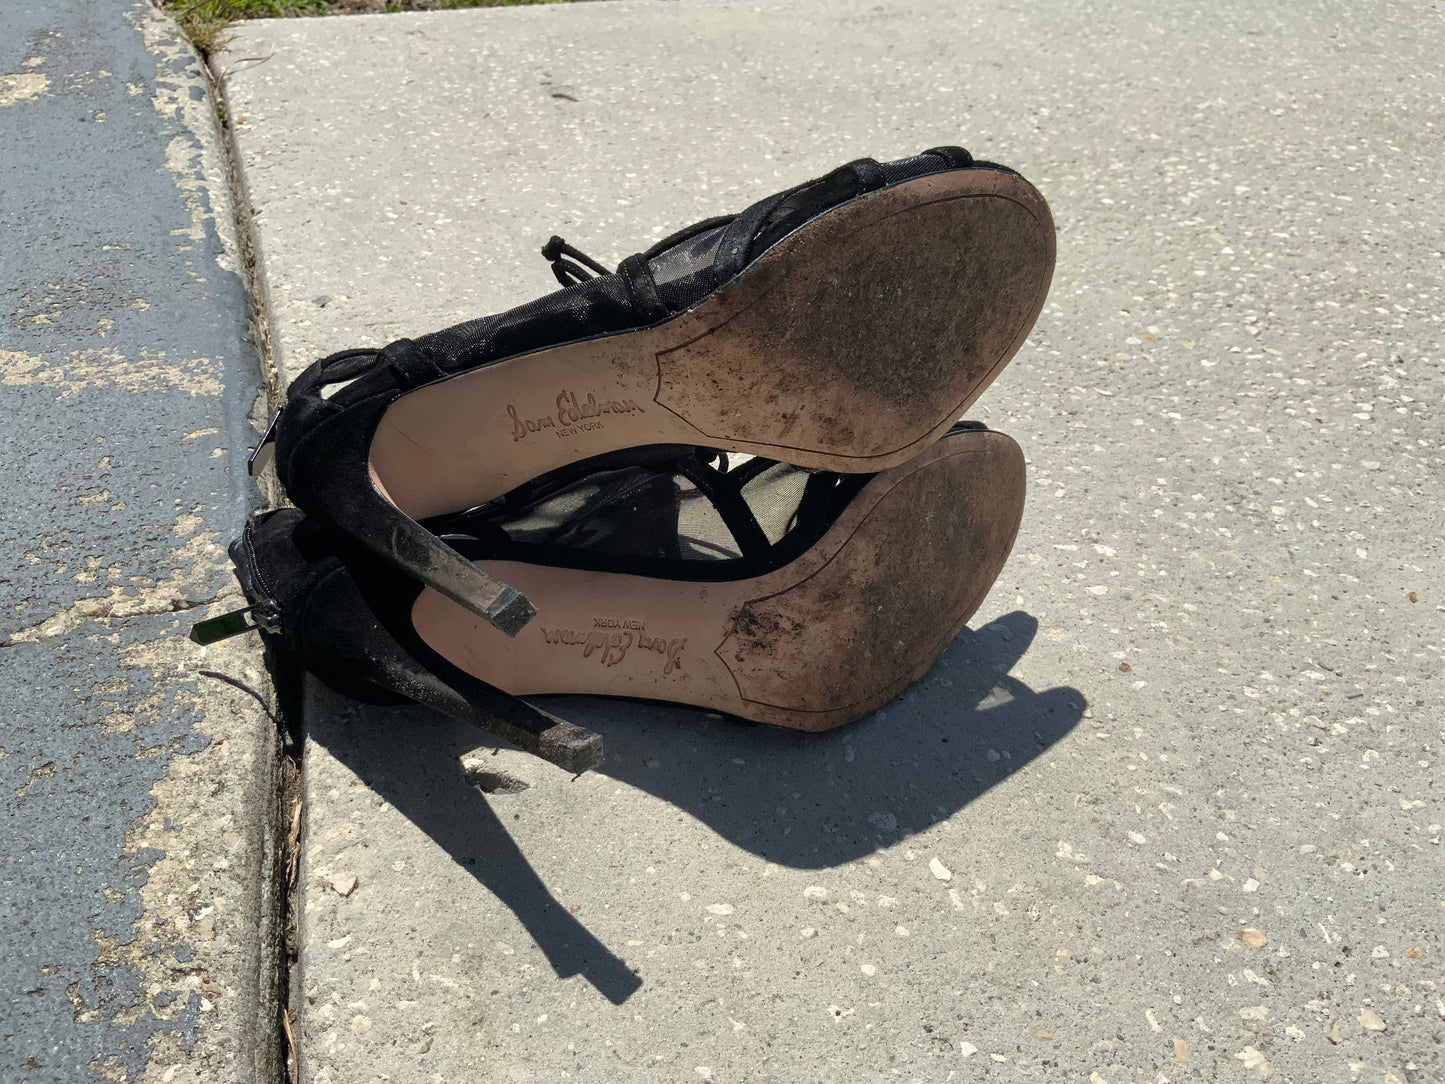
point(728, 474)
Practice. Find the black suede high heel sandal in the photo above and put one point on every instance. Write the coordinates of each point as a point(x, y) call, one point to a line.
point(349, 623)
point(840, 325)
point(799, 598)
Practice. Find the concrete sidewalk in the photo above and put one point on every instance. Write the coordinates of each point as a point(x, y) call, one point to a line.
point(138, 894)
point(1170, 810)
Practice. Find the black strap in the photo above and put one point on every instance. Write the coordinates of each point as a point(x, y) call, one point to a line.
point(411, 365)
point(956, 157)
point(737, 239)
point(568, 273)
point(333, 369)
point(642, 288)
point(869, 173)
point(726, 495)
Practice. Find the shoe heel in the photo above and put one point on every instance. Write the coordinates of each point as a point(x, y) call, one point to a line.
point(337, 487)
point(532, 730)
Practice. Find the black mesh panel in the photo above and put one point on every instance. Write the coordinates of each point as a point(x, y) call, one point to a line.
point(684, 274)
point(773, 497)
point(905, 169)
point(645, 512)
point(632, 511)
point(597, 307)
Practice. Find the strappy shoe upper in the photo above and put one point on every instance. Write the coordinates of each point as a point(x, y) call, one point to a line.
point(671, 276)
point(674, 512)
point(322, 434)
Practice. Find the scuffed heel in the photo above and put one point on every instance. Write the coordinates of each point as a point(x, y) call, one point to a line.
point(529, 728)
point(339, 489)
point(351, 627)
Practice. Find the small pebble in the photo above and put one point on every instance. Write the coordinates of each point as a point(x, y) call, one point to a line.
point(1370, 1020)
point(939, 870)
point(1253, 1059)
point(1253, 938)
point(344, 883)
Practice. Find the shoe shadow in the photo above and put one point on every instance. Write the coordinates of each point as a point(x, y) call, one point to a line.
point(808, 801)
point(814, 801)
point(409, 757)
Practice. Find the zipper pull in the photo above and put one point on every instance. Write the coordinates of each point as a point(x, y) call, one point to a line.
point(264, 452)
point(264, 615)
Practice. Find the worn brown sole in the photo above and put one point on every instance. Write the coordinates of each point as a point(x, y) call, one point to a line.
point(824, 640)
point(850, 346)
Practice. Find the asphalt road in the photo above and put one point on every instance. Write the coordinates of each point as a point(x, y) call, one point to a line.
point(136, 896)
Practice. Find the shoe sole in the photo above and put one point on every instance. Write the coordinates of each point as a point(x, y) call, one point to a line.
point(850, 346)
point(830, 637)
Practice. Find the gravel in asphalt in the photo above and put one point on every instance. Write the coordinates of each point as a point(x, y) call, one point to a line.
point(139, 806)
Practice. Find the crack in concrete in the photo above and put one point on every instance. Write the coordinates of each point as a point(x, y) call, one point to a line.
point(248, 244)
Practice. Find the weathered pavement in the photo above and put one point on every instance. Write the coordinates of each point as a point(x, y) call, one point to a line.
point(1229, 867)
point(137, 891)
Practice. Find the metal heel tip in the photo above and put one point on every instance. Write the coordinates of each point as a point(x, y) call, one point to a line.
point(571, 747)
point(511, 611)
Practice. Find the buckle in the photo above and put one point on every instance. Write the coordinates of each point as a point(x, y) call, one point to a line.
point(264, 453)
point(265, 615)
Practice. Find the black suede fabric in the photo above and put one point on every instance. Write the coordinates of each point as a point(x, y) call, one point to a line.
point(348, 621)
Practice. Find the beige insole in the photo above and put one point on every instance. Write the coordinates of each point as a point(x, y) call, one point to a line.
point(828, 638)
